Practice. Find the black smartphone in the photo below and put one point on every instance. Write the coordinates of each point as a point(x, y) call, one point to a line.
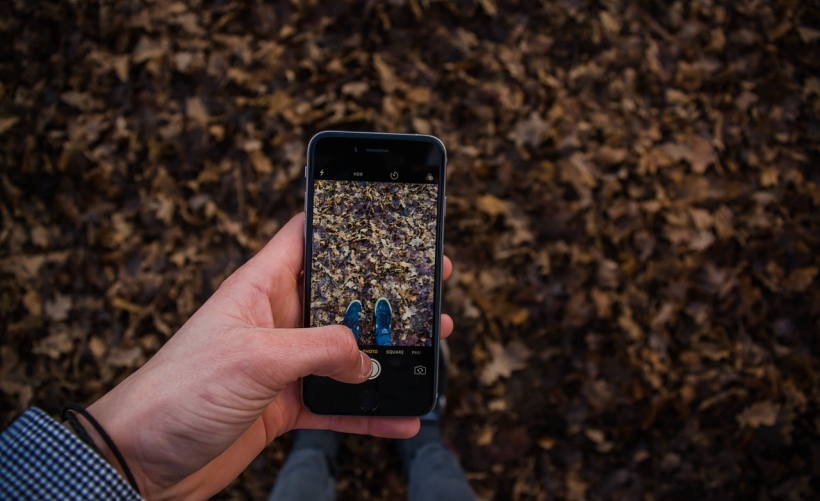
point(374, 214)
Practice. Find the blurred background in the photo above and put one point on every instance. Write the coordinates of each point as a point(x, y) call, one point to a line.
point(633, 217)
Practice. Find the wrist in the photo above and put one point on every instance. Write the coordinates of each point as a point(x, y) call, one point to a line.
point(101, 447)
point(88, 429)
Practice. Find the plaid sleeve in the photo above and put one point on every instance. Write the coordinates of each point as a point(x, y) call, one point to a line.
point(40, 459)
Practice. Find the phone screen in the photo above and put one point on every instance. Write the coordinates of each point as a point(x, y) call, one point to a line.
point(373, 260)
point(374, 209)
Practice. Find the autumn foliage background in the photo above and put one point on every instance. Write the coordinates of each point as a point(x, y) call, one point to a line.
point(633, 216)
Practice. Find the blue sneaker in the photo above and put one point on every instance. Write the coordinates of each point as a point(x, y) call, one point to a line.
point(352, 315)
point(384, 319)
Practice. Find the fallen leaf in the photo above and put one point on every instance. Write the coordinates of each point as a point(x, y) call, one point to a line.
point(800, 279)
point(759, 414)
point(529, 132)
point(196, 111)
point(125, 357)
point(83, 101)
point(33, 303)
point(355, 89)
point(39, 236)
point(147, 48)
point(808, 35)
point(492, 206)
point(6, 123)
point(55, 345)
point(97, 347)
point(504, 361)
point(261, 163)
point(485, 436)
point(57, 309)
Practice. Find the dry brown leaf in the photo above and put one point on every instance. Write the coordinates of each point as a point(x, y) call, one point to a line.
point(55, 345)
point(261, 163)
point(575, 485)
point(759, 414)
point(801, 278)
point(355, 89)
point(504, 360)
point(702, 154)
point(529, 132)
point(6, 123)
point(33, 303)
point(387, 76)
point(609, 22)
point(485, 436)
point(97, 347)
point(83, 101)
point(147, 48)
point(808, 35)
point(40, 236)
point(58, 308)
point(492, 206)
point(196, 111)
point(422, 126)
point(489, 7)
point(125, 357)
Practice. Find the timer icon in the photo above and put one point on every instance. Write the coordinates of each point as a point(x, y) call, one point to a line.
point(394, 175)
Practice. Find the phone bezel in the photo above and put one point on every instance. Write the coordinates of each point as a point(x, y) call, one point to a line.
point(375, 139)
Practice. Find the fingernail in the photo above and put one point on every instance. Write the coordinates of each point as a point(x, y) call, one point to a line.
point(365, 368)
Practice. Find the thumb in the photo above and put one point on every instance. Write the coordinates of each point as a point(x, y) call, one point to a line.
point(329, 351)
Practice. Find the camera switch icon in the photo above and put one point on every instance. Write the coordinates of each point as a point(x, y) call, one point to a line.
point(420, 370)
point(429, 177)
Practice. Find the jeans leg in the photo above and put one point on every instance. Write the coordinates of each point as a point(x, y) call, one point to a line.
point(306, 475)
point(434, 474)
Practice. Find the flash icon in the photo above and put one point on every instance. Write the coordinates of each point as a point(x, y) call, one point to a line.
point(322, 172)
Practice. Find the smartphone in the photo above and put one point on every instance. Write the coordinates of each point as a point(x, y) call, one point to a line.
point(374, 214)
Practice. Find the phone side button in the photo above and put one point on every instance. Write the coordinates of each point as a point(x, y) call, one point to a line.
point(369, 400)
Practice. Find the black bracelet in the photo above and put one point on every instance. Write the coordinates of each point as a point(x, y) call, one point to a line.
point(72, 420)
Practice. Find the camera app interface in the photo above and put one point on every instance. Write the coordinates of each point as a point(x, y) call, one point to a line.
point(373, 260)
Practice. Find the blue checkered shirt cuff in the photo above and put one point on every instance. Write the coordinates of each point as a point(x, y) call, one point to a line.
point(41, 459)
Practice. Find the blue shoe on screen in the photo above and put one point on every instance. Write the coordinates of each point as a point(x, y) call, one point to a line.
point(351, 321)
point(384, 319)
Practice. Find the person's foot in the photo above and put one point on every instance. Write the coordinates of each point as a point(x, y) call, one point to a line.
point(352, 315)
point(384, 319)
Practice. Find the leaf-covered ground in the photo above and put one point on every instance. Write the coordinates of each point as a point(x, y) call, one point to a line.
point(633, 214)
point(371, 241)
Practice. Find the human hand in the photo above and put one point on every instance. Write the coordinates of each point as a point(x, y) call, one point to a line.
point(194, 416)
